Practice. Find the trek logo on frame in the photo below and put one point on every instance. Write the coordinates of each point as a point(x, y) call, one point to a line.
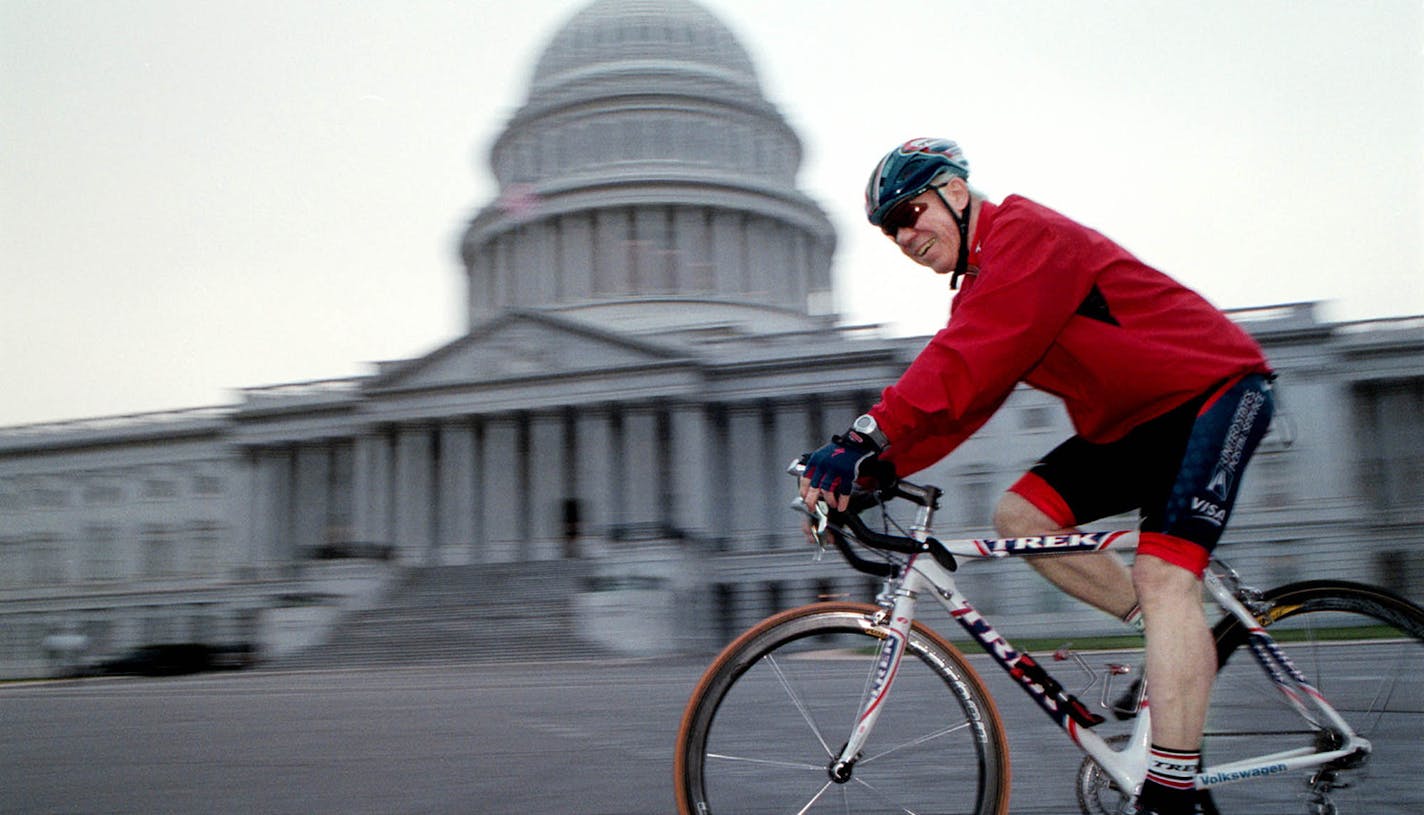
point(1076, 542)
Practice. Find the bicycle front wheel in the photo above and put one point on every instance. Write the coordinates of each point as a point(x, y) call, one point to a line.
point(1363, 649)
point(764, 724)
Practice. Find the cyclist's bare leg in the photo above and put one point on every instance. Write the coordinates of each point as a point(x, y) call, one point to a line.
point(1099, 579)
point(1181, 660)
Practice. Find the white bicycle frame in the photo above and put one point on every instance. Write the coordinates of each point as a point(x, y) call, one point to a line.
point(1127, 767)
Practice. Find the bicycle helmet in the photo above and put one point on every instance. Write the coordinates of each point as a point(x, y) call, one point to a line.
point(910, 169)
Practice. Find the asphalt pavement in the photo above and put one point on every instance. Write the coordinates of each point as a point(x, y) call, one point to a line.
point(592, 737)
point(589, 737)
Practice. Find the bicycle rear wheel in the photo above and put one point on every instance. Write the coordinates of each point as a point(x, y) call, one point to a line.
point(762, 727)
point(1363, 648)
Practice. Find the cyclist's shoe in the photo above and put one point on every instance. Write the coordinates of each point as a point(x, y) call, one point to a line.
point(1196, 809)
point(1168, 789)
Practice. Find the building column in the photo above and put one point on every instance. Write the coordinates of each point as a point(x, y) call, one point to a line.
point(693, 507)
point(313, 471)
point(244, 551)
point(479, 527)
point(762, 244)
point(548, 486)
point(537, 250)
point(371, 489)
point(596, 473)
point(728, 251)
point(575, 236)
point(838, 411)
point(612, 232)
point(790, 437)
point(692, 253)
point(746, 446)
point(457, 493)
point(415, 493)
point(643, 489)
point(270, 505)
point(499, 490)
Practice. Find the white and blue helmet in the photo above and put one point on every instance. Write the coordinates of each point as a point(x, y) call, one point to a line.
point(909, 170)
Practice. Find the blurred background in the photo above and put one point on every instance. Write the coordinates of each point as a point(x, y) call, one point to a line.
point(295, 179)
point(602, 351)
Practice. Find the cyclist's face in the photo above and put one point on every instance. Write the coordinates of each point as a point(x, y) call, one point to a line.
point(932, 238)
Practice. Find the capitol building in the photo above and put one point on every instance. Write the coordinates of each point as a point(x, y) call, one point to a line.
point(596, 466)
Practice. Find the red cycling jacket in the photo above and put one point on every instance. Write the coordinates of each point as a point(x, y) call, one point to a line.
point(1061, 307)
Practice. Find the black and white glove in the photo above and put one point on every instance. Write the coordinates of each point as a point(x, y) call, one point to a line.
point(850, 458)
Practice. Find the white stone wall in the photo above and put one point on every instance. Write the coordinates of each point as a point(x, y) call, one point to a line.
point(168, 535)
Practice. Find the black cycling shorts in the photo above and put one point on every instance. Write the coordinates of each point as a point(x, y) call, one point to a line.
point(1181, 471)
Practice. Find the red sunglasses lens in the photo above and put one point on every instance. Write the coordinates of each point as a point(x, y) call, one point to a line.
point(905, 215)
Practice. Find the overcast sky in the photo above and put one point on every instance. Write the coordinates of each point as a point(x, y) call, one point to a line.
point(200, 196)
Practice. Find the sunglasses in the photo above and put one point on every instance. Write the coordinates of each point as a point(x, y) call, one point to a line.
point(902, 216)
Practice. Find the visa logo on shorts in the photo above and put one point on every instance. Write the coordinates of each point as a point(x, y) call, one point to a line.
point(1207, 511)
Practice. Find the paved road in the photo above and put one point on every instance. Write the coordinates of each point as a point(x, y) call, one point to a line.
point(557, 738)
point(593, 738)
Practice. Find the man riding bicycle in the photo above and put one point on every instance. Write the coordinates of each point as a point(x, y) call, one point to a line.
point(1169, 398)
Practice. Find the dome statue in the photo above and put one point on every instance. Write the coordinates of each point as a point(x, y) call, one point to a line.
point(646, 167)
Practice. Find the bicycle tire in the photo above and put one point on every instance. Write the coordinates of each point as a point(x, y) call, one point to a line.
point(1363, 648)
point(759, 730)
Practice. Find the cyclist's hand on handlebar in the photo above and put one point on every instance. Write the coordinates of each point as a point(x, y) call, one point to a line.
point(834, 470)
point(812, 530)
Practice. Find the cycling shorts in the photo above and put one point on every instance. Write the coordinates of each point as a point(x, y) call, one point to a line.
point(1181, 471)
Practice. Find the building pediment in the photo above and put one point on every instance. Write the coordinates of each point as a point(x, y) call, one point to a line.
point(521, 344)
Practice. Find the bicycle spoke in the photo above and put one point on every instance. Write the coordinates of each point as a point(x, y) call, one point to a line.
point(1386, 689)
point(766, 762)
point(939, 734)
point(752, 743)
point(882, 796)
point(814, 799)
point(799, 703)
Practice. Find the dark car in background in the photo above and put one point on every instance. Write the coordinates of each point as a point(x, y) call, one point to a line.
point(176, 659)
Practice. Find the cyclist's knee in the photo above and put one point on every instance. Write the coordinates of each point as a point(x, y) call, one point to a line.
point(1162, 555)
point(1015, 517)
point(1159, 580)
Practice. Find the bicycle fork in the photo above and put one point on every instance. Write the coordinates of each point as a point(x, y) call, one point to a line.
point(893, 629)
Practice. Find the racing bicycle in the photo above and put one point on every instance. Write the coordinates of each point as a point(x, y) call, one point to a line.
point(1317, 708)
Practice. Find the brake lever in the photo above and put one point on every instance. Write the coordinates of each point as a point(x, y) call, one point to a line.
point(820, 520)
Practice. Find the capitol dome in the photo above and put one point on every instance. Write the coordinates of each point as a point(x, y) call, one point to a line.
point(607, 37)
point(646, 166)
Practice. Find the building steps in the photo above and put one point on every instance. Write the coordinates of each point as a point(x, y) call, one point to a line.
point(480, 613)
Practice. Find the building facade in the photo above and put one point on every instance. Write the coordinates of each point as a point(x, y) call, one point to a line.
point(648, 347)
